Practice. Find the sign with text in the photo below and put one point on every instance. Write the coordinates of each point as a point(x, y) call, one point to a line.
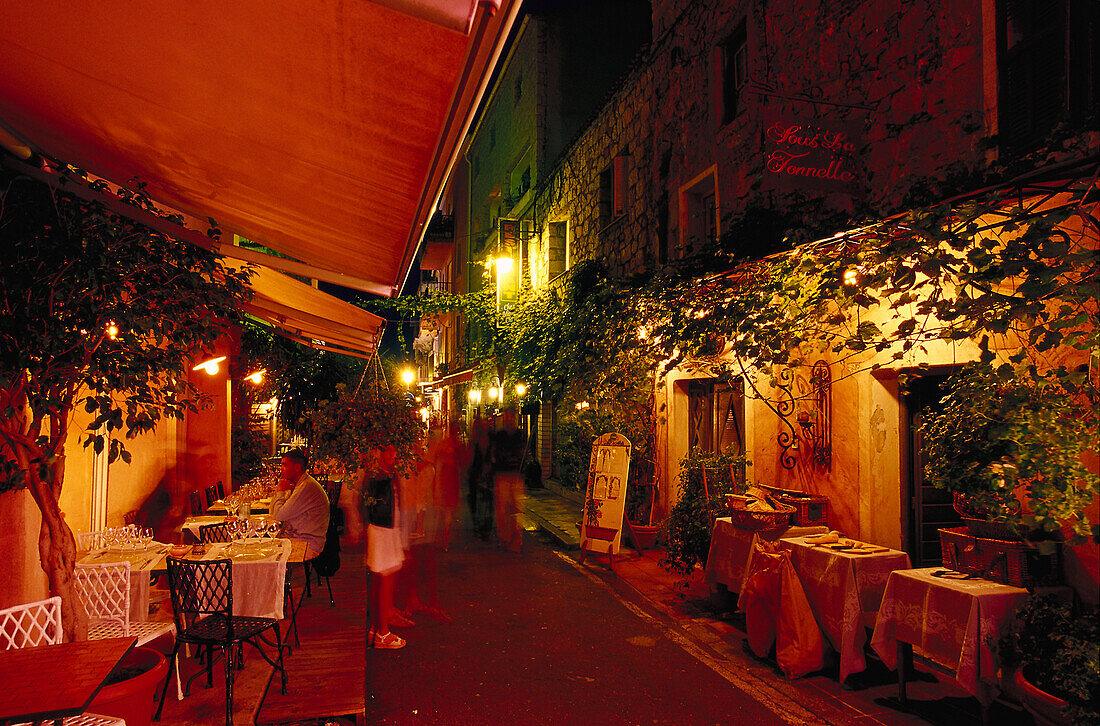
point(800, 154)
point(605, 497)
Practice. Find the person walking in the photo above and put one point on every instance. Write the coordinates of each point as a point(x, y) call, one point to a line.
point(507, 458)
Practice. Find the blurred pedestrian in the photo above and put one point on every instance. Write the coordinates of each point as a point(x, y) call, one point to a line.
point(479, 479)
point(385, 548)
point(507, 458)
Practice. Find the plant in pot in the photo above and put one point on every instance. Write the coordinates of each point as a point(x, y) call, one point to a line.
point(346, 429)
point(702, 499)
point(1054, 655)
point(1004, 436)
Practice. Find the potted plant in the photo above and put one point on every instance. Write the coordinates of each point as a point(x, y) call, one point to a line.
point(702, 499)
point(1004, 436)
point(129, 691)
point(1054, 657)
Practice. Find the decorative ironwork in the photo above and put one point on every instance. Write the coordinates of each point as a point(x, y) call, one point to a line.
point(785, 407)
point(819, 432)
point(816, 423)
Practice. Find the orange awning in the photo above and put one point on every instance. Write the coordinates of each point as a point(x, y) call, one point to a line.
point(323, 129)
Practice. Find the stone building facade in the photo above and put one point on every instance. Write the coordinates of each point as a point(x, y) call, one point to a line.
point(745, 118)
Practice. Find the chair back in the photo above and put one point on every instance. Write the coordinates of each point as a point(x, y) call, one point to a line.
point(88, 541)
point(105, 591)
point(220, 488)
point(196, 504)
point(31, 624)
point(199, 588)
point(332, 491)
point(217, 532)
point(211, 495)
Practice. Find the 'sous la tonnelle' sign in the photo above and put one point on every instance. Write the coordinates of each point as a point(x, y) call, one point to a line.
point(800, 153)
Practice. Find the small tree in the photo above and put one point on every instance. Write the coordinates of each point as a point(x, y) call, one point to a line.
point(101, 312)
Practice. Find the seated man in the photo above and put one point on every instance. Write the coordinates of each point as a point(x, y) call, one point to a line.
point(300, 503)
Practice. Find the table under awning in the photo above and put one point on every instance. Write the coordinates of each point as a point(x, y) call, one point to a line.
point(321, 129)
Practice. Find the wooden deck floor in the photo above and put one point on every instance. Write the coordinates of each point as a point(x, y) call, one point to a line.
point(325, 675)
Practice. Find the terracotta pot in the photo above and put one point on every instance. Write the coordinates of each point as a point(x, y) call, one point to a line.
point(132, 699)
point(645, 534)
point(1045, 708)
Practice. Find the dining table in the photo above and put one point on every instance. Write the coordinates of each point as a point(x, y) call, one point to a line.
point(144, 563)
point(731, 550)
point(950, 619)
point(844, 587)
point(258, 506)
point(56, 681)
point(259, 568)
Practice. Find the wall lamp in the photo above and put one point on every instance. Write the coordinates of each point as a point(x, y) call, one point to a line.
point(210, 366)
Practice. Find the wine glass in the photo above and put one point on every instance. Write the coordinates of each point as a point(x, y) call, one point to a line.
point(146, 537)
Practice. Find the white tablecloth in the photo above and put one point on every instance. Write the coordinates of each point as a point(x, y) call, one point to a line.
point(947, 621)
point(731, 550)
point(844, 590)
point(257, 583)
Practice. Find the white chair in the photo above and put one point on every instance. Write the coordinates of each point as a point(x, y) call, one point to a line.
point(105, 592)
point(87, 541)
point(39, 623)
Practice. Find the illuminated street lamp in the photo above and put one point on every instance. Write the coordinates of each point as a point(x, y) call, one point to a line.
point(521, 389)
point(408, 376)
point(257, 377)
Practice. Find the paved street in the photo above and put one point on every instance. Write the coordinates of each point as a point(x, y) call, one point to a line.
point(537, 641)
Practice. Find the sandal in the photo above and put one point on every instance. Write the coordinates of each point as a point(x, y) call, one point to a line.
point(389, 641)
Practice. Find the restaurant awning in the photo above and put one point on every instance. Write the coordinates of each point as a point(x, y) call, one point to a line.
point(312, 317)
point(322, 129)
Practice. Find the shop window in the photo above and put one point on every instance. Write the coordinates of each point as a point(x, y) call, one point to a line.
point(733, 62)
point(1047, 67)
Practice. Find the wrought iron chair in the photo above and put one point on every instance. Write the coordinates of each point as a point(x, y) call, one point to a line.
point(196, 504)
point(217, 532)
point(202, 602)
point(105, 592)
point(39, 623)
point(211, 495)
point(220, 488)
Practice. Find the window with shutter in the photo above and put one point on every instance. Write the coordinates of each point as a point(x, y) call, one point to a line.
point(1047, 67)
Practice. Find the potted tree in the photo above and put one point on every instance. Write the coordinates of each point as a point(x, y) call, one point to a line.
point(1005, 438)
point(1053, 655)
point(702, 499)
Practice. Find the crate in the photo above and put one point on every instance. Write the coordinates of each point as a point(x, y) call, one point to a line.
point(810, 510)
point(1011, 563)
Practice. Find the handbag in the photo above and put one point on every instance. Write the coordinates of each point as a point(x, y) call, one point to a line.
point(381, 505)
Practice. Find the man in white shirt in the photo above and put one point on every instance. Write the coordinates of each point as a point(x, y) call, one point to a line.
point(300, 503)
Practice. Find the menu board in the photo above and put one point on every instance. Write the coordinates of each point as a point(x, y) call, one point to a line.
point(608, 473)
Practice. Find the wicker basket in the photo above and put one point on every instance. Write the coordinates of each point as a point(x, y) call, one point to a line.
point(755, 520)
point(1011, 563)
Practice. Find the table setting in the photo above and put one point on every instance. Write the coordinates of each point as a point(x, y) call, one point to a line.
point(131, 544)
point(259, 569)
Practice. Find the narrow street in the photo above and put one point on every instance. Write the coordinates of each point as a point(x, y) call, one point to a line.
point(536, 641)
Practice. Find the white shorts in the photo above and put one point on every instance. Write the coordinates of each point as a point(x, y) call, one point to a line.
point(385, 551)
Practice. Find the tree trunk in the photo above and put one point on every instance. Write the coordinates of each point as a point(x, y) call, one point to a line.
point(57, 554)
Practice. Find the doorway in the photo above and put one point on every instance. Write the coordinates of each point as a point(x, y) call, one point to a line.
point(931, 509)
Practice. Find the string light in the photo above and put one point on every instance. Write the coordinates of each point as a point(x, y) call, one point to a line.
point(112, 330)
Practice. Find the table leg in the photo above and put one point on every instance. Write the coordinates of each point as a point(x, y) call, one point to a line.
point(905, 667)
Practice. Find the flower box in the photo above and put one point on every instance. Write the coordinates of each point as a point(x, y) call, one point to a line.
point(1011, 563)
